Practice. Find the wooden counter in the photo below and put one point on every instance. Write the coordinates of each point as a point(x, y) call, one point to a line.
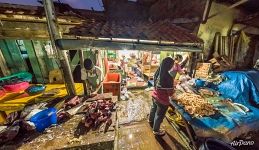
point(69, 135)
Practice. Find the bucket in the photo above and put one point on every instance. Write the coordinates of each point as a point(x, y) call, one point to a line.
point(214, 144)
point(44, 119)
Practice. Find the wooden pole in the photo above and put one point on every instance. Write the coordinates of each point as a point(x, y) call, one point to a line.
point(54, 34)
point(206, 11)
point(81, 57)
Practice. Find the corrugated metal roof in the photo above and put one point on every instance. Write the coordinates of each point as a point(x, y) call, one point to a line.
point(160, 31)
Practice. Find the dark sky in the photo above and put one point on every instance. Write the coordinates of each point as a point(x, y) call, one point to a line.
point(82, 4)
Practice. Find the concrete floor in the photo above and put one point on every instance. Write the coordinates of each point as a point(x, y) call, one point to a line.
point(139, 136)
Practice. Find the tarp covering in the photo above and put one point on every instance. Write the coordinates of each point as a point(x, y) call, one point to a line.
point(229, 123)
point(226, 124)
point(241, 87)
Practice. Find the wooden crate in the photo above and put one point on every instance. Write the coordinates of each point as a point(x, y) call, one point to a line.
point(202, 70)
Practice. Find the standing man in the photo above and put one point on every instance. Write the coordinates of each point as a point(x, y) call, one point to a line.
point(93, 76)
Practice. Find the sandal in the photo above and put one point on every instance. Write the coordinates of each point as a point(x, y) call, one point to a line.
point(159, 133)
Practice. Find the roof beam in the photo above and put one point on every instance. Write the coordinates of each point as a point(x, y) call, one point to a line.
point(247, 18)
point(68, 44)
point(185, 20)
point(35, 19)
point(206, 11)
point(230, 7)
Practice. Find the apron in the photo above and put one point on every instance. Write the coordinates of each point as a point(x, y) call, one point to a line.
point(92, 78)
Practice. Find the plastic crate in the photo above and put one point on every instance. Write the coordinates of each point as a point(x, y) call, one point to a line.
point(121, 72)
point(112, 84)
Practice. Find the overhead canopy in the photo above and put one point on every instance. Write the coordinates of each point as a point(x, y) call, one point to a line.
point(124, 44)
point(132, 35)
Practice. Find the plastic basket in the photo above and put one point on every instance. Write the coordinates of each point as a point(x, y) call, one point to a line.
point(44, 119)
point(17, 87)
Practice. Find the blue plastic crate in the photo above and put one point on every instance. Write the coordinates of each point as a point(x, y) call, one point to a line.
point(44, 119)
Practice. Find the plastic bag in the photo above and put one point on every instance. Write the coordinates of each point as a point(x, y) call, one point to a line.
point(137, 109)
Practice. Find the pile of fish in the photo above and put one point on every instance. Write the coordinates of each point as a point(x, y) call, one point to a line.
point(97, 113)
point(195, 105)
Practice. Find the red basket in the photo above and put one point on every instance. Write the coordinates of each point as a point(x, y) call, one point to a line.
point(16, 87)
point(112, 84)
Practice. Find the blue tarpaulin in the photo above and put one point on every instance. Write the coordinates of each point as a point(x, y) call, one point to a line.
point(229, 123)
point(241, 87)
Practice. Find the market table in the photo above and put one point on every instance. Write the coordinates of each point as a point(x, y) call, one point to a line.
point(227, 124)
point(69, 135)
point(12, 102)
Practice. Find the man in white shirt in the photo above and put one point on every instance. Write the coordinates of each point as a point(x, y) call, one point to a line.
point(93, 76)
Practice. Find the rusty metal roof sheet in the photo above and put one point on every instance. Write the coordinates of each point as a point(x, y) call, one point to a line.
point(144, 30)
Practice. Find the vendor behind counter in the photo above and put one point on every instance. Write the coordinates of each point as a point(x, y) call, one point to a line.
point(93, 75)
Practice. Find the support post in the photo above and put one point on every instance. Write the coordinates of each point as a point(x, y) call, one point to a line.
point(81, 57)
point(54, 34)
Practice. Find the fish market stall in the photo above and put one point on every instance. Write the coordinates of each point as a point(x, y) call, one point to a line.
point(225, 111)
point(73, 122)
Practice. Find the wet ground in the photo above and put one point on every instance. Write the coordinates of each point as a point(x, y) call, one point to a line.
point(139, 135)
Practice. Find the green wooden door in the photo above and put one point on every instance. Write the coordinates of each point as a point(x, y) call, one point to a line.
point(13, 56)
point(34, 61)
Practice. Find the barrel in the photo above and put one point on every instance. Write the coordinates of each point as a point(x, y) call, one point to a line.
point(214, 144)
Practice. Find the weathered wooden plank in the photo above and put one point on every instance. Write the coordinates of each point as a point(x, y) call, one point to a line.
point(16, 55)
point(48, 59)
point(7, 56)
point(34, 61)
point(40, 56)
point(74, 62)
point(4, 69)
